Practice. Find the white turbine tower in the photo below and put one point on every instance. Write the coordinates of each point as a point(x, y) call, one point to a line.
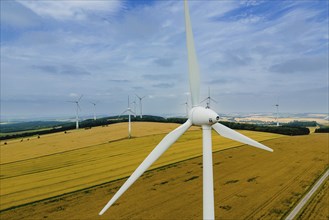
point(134, 102)
point(200, 116)
point(277, 115)
point(94, 104)
point(129, 111)
point(140, 105)
point(77, 111)
point(208, 99)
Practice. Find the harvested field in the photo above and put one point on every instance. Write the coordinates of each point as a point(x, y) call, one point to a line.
point(249, 184)
point(79, 162)
point(281, 119)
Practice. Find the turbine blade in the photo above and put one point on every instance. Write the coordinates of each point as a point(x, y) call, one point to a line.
point(192, 59)
point(231, 134)
point(204, 100)
point(166, 142)
point(123, 113)
point(80, 98)
point(213, 100)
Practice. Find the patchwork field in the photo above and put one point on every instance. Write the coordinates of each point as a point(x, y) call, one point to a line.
point(282, 119)
point(249, 183)
point(61, 163)
point(26, 148)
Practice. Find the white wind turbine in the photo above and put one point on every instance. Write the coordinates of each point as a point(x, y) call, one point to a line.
point(200, 116)
point(94, 104)
point(186, 106)
point(77, 111)
point(129, 111)
point(208, 99)
point(277, 114)
point(140, 104)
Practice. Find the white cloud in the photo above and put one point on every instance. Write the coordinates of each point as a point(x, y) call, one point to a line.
point(73, 95)
point(71, 10)
point(17, 16)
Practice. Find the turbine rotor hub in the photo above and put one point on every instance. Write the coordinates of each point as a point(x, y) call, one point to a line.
point(203, 116)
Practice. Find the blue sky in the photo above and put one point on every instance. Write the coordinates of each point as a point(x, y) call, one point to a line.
point(251, 54)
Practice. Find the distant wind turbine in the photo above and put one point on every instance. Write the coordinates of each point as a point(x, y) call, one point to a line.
point(129, 111)
point(200, 116)
point(186, 106)
point(94, 104)
point(208, 99)
point(277, 115)
point(77, 111)
point(140, 105)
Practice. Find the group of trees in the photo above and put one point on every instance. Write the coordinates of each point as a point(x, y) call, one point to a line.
point(302, 123)
point(322, 130)
point(286, 129)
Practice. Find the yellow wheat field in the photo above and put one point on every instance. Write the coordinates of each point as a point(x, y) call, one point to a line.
point(61, 163)
point(249, 184)
point(25, 148)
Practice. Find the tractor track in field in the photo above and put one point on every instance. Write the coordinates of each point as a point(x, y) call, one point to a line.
point(277, 194)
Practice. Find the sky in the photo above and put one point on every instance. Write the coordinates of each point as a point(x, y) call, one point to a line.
point(252, 55)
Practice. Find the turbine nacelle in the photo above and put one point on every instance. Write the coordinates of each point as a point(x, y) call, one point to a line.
point(203, 116)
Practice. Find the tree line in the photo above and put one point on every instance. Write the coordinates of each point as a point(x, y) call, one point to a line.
point(322, 130)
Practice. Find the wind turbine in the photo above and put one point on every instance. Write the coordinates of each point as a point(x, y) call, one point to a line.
point(208, 99)
point(277, 115)
point(129, 111)
point(186, 106)
point(77, 111)
point(94, 110)
point(200, 116)
point(140, 105)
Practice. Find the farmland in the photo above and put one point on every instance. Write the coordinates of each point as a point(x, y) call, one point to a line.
point(249, 183)
point(27, 148)
point(61, 163)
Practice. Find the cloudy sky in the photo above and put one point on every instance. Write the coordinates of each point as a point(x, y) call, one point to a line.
point(251, 54)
